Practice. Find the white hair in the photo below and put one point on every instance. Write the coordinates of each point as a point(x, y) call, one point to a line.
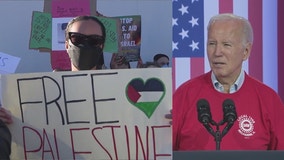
point(246, 26)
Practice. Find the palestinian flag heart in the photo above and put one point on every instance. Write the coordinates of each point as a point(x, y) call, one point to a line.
point(146, 96)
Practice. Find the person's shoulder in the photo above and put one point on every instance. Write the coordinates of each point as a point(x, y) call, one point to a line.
point(260, 86)
point(195, 83)
point(266, 94)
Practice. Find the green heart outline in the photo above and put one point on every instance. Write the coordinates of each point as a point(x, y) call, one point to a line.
point(145, 106)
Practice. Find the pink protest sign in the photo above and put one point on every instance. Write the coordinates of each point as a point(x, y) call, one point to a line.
point(70, 8)
point(60, 61)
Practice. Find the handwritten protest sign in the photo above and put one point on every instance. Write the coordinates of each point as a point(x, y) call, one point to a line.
point(112, 30)
point(130, 37)
point(58, 33)
point(70, 8)
point(8, 63)
point(103, 114)
point(60, 61)
point(47, 8)
point(41, 31)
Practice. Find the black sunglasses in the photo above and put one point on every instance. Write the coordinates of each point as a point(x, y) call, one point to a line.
point(79, 39)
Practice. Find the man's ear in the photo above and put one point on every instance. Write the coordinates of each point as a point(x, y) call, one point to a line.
point(247, 50)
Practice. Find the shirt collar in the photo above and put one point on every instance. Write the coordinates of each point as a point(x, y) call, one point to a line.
point(235, 87)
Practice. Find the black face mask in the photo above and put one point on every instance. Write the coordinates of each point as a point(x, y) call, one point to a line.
point(85, 57)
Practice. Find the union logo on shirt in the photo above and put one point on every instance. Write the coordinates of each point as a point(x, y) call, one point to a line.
point(246, 125)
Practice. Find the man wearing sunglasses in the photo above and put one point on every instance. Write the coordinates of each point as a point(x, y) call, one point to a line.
point(84, 42)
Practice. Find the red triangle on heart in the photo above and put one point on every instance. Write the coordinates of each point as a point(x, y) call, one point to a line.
point(133, 95)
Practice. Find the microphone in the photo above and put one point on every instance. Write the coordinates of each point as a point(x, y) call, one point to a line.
point(203, 110)
point(229, 111)
point(204, 115)
point(229, 116)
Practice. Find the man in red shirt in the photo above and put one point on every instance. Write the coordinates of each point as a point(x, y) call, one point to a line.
point(255, 111)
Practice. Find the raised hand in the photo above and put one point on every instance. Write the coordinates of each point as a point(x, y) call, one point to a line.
point(5, 116)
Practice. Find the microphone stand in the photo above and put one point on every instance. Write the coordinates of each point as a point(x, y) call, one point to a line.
point(209, 129)
point(204, 116)
point(218, 138)
point(217, 135)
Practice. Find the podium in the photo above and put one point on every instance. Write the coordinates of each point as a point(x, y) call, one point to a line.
point(228, 155)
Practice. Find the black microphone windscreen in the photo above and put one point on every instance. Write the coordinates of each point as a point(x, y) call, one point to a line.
point(203, 110)
point(229, 110)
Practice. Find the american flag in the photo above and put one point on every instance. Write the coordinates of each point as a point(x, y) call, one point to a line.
point(189, 22)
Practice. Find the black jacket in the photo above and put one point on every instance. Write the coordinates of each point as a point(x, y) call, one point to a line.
point(5, 141)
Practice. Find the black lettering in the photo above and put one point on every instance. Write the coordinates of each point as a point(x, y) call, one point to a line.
point(67, 101)
point(55, 100)
point(21, 82)
point(100, 100)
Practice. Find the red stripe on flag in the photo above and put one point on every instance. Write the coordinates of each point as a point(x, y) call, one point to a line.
point(280, 48)
point(196, 67)
point(174, 74)
point(225, 6)
point(255, 60)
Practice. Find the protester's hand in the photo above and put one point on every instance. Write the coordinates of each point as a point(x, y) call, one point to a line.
point(5, 116)
point(118, 61)
point(139, 63)
point(169, 116)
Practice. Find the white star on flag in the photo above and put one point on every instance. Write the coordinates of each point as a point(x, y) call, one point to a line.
point(194, 45)
point(183, 33)
point(193, 21)
point(174, 45)
point(174, 21)
point(183, 9)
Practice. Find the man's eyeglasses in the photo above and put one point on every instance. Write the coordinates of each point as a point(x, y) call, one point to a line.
point(79, 39)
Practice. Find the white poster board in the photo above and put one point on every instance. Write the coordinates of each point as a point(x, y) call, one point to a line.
point(105, 114)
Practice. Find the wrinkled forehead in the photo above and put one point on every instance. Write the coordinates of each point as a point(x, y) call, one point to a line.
point(232, 23)
point(226, 28)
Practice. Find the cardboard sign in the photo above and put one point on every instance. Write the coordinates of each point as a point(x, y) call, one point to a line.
point(70, 8)
point(112, 30)
point(41, 31)
point(8, 63)
point(103, 114)
point(130, 37)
